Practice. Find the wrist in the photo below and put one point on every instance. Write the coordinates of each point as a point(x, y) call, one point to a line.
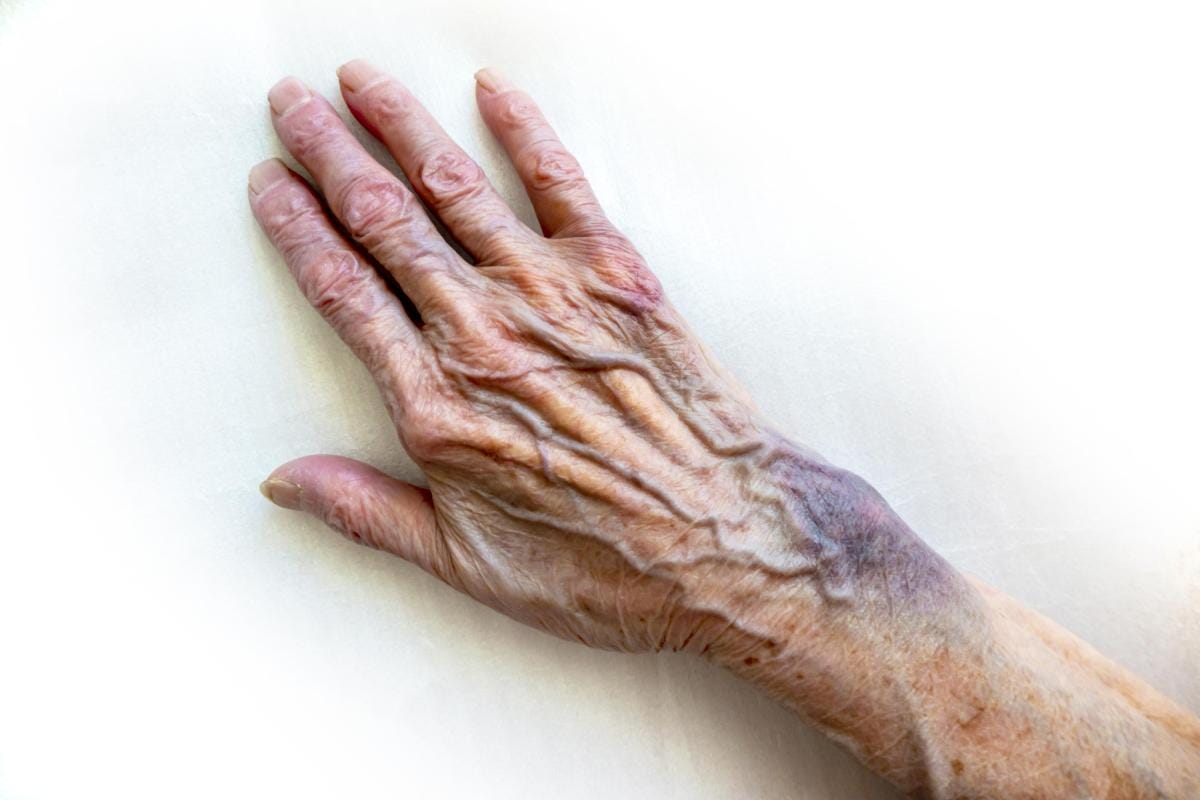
point(835, 607)
point(817, 548)
point(933, 681)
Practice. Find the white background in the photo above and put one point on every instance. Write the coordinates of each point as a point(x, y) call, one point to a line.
point(951, 246)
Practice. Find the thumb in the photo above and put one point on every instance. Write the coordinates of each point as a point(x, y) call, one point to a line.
point(362, 503)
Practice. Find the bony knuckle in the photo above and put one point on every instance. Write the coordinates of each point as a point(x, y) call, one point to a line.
point(387, 102)
point(551, 166)
point(285, 211)
point(296, 240)
point(331, 280)
point(623, 269)
point(371, 206)
point(310, 129)
point(516, 110)
point(450, 175)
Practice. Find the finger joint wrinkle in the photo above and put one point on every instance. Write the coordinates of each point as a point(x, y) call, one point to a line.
point(450, 176)
point(373, 206)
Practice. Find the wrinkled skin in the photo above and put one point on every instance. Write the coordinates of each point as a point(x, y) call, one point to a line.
point(593, 473)
point(587, 462)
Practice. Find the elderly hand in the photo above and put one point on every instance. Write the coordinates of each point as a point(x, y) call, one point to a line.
point(593, 473)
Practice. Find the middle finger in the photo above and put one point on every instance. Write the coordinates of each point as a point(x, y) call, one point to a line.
point(446, 177)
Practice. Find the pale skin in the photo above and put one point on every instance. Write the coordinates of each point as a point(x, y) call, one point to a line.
point(593, 473)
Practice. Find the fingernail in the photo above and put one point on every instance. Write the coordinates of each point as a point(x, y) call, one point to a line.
point(265, 175)
point(281, 493)
point(492, 81)
point(287, 94)
point(356, 75)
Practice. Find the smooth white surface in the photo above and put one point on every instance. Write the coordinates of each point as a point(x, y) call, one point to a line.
point(952, 249)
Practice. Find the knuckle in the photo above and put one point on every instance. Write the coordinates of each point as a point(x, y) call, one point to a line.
point(549, 166)
point(286, 215)
point(450, 175)
point(331, 281)
point(625, 271)
point(371, 207)
point(516, 110)
point(387, 102)
point(310, 129)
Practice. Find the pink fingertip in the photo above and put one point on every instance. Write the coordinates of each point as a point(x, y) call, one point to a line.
point(358, 74)
point(288, 94)
point(265, 175)
point(492, 81)
point(282, 493)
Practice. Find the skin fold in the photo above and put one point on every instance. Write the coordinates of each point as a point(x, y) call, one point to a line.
point(592, 472)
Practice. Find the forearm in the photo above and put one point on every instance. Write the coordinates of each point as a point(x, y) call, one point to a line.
point(942, 685)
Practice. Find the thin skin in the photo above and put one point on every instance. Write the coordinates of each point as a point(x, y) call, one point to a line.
point(592, 472)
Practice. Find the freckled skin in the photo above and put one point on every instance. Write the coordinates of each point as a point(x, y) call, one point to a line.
point(592, 472)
